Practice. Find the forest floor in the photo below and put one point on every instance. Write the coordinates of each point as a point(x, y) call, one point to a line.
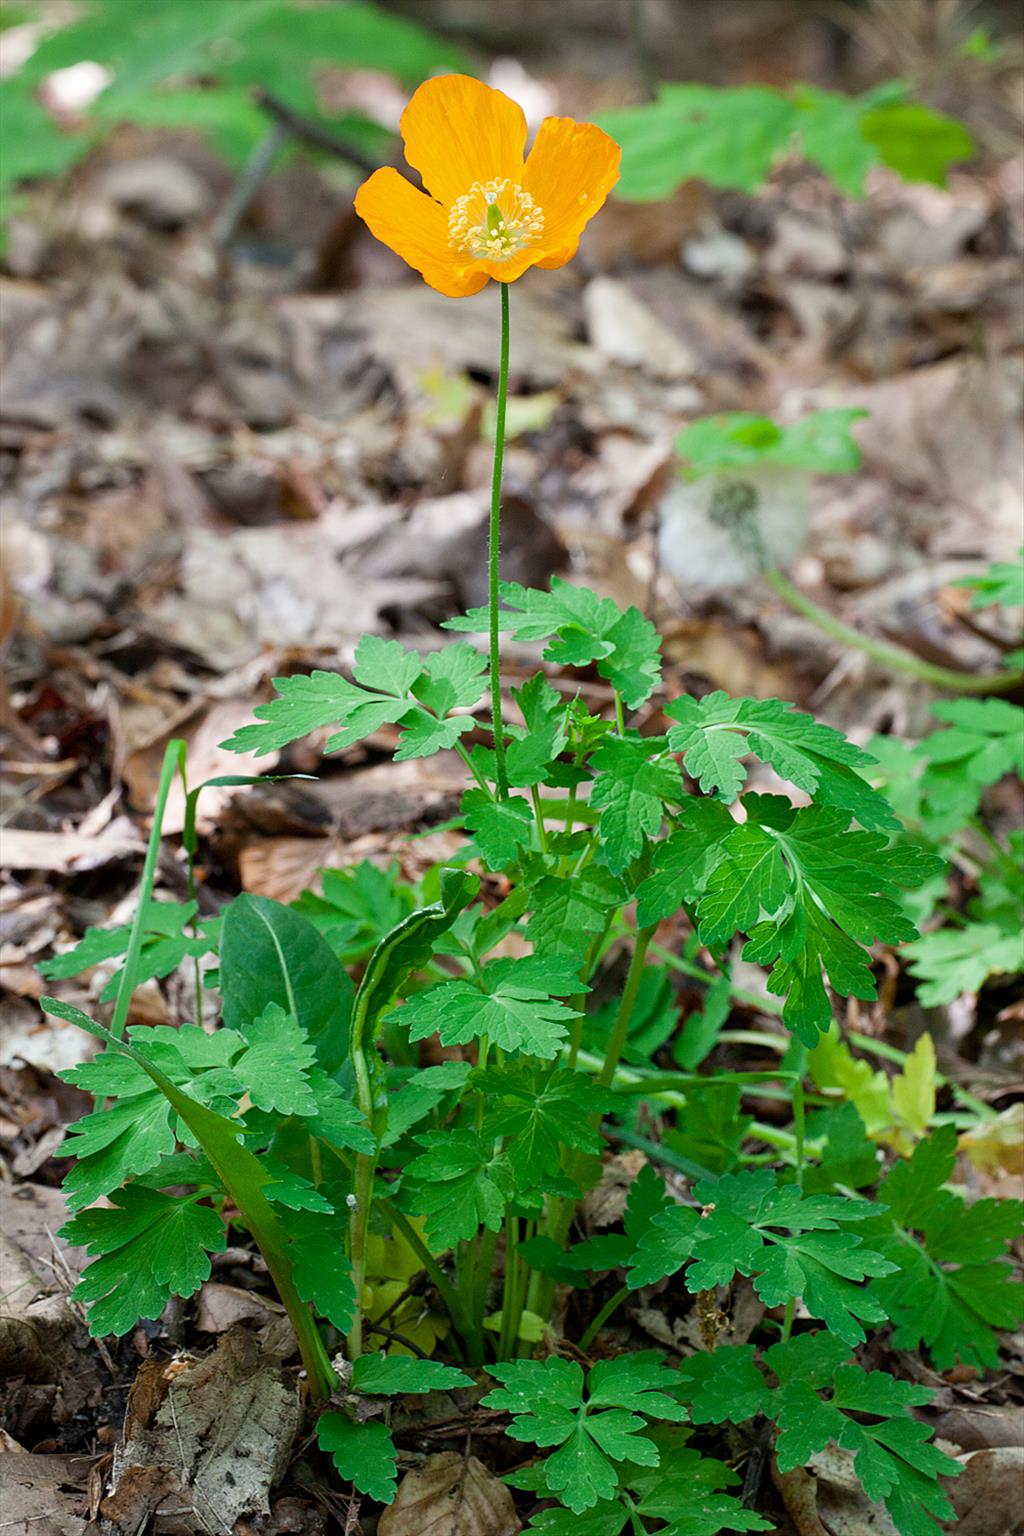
point(223, 467)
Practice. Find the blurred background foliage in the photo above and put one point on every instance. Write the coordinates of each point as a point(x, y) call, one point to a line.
point(237, 71)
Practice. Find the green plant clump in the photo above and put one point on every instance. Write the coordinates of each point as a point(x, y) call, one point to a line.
point(320, 1144)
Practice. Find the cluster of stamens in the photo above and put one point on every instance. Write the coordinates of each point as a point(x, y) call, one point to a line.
point(494, 220)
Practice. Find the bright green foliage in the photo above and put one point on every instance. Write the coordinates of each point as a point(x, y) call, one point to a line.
point(358, 906)
point(952, 961)
point(541, 1111)
point(594, 1425)
point(848, 1158)
point(110, 1145)
point(1002, 584)
point(740, 440)
point(566, 912)
point(270, 954)
point(405, 950)
point(420, 1094)
point(525, 967)
point(984, 741)
point(583, 629)
point(952, 1287)
point(275, 1066)
point(894, 1459)
point(392, 686)
point(393, 1374)
point(500, 828)
point(513, 1016)
point(271, 1060)
point(821, 891)
point(607, 1250)
point(710, 1134)
point(363, 1453)
point(683, 1489)
point(715, 733)
point(320, 1267)
point(791, 1243)
point(653, 1019)
point(636, 777)
point(681, 863)
point(538, 742)
point(165, 944)
point(734, 137)
point(153, 1246)
point(460, 1185)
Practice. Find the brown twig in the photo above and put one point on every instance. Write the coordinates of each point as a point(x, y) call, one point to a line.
point(312, 132)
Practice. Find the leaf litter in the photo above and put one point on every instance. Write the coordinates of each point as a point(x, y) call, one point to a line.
point(211, 487)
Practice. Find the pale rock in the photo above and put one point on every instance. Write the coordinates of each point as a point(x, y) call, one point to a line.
point(622, 327)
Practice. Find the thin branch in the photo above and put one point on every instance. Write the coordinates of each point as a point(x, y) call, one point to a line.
point(312, 132)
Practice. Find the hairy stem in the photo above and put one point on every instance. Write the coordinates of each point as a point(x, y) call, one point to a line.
point(493, 553)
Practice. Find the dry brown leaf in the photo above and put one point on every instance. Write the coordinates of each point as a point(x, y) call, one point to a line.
point(213, 1434)
point(45, 1495)
point(799, 1492)
point(66, 853)
point(449, 1496)
point(220, 1307)
point(625, 330)
point(987, 1497)
point(206, 760)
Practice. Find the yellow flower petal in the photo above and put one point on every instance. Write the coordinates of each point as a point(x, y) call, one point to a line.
point(572, 168)
point(416, 227)
point(457, 131)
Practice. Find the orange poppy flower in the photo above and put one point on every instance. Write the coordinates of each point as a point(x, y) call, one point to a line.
point(489, 212)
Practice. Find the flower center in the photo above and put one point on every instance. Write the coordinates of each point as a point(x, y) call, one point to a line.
point(494, 219)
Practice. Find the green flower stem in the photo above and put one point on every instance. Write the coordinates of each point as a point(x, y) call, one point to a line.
point(174, 762)
point(625, 1014)
point(894, 657)
point(620, 719)
point(602, 1317)
point(493, 553)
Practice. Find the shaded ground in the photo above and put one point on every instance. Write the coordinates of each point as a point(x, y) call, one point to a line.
point(220, 468)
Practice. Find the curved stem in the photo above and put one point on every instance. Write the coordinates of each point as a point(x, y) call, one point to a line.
point(174, 761)
point(493, 552)
point(893, 657)
point(602, 1317)
point(401, 1225)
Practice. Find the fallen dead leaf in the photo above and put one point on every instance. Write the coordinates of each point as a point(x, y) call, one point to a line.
point(798, 1489)
point(621, 326)
point(449, 1496)
point(220, 1307)
point(987, 1497)
point(206, 760)
point(214, 1434)
point(45, 1495)
point(67, 853)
